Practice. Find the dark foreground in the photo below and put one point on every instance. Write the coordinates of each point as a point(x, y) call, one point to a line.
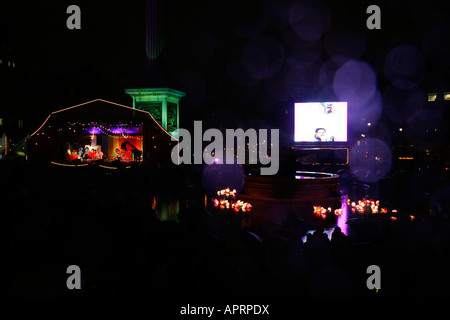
point(102, 221)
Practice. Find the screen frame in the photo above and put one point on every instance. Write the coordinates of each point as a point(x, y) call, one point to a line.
point(317, 144)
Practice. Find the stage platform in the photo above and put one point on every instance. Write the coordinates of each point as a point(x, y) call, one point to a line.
point(331, 155)
point(277, 199)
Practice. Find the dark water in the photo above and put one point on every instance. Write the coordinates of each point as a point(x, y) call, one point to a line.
point(168, 207)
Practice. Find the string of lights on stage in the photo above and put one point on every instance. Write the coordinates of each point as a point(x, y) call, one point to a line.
point(125, 130)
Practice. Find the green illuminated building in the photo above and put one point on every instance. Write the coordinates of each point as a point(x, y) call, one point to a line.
point(162, 103)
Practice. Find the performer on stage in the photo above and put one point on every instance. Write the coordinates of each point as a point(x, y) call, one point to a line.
point(117, 154)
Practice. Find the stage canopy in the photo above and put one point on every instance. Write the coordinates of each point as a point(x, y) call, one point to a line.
point(100, 130)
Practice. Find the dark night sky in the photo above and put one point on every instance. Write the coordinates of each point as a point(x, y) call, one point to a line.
point(206, 44)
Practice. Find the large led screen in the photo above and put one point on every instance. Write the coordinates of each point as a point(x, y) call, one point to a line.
point(320, 122)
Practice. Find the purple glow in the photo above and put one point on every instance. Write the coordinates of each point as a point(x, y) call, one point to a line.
point(215, 177)
point(342, 218)
point(95, 130)
point(355, 82)
point(310, 20)
point(129, 130)
point(405, 66)
point(115, 130)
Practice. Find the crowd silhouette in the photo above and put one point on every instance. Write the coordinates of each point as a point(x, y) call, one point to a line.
point(103, 221)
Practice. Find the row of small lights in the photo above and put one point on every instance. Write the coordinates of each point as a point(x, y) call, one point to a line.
point(84, 165)
point(364, 206)
point(101, 127)
point(369, 206)
point(227, 201)
point(322, 212)
point(115, 136)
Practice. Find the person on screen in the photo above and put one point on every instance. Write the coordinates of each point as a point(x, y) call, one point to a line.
point(320, 135)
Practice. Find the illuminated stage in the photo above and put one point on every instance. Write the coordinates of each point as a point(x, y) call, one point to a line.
point(100, 130)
